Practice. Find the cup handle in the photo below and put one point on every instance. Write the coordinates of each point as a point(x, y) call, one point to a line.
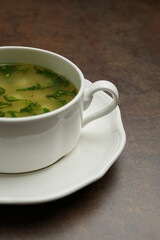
point(88, 96)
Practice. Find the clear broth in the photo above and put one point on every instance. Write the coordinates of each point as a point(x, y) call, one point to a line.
point(27, 90)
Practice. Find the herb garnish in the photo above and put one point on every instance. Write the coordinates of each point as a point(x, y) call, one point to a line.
point(35, 87)
point(9, 69)
point(59, 81)
point(2, 114)
point(45, 110)
point(12, 113)
point(14, 99)
point(32, 107)
point(61, 102)
point(59, 94)
point(53, 76)
point(24, 70)
point(4, 104)
point(2, 90)
point(46, 72)
point(54, 86)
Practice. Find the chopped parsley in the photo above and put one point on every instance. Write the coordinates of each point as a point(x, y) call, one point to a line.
point(48, 73)
point(59, 94)
point(7, 70)
point(54, 89)
point(14, 99)
point(45, 110)
point(31, 108)
point(12, 113)
point(4, 104)
point(61, 102)
point(2, 90)
point(2, 114)
point(35, 87)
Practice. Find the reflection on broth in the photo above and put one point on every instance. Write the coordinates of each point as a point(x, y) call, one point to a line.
point(27, 90)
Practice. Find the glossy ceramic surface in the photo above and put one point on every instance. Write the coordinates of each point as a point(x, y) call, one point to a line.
point(32, 143)
point(100, 143)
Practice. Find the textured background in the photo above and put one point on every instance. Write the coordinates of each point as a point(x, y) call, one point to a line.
point(113, 40)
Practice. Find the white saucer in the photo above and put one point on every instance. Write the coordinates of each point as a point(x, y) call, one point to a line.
point(100, 144)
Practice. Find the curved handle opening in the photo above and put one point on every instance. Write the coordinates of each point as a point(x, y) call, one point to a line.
point(101, 85)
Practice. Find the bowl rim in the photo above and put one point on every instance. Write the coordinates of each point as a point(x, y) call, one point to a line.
point(54, 112)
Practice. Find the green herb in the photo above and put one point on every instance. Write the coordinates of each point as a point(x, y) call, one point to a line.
point(10, 98)
point(2, 90)
point(30, 108)
point(45, 110)
point(74, 92)
point(12, 113)
point(2, 114)
point(59, 85)
point(24, 70)
point(50, 74)
point(62, 81)
point(14, 99)
point(46, 72)
point(4, 104)
point(59, 81)
point(35, 87)
point(8, 69)
point(38, 71)
point(61, 102)
point(60, 93)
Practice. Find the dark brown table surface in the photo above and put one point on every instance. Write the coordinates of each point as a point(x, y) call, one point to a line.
point(118, 41)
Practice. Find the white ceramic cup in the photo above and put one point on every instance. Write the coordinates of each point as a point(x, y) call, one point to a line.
point(34, 142)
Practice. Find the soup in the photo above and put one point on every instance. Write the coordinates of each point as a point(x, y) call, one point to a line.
point(27, 90)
